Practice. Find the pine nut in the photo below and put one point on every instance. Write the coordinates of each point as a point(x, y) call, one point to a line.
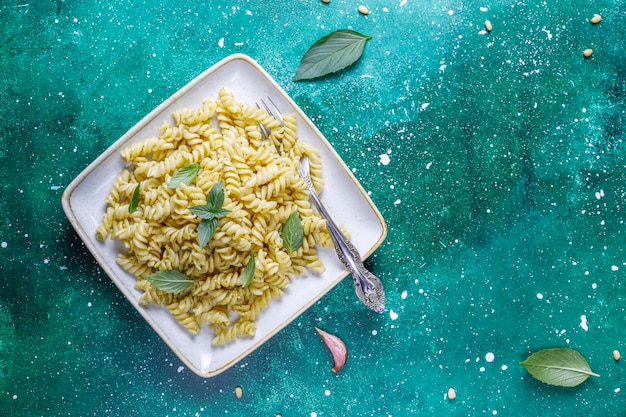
point(488, 26)
point(363, 10)
point(596, 19)
point(238, 392)
point(588, 52)
point(616, 355)
point(451, 394)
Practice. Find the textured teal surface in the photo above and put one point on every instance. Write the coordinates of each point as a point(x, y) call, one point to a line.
point(498, 161)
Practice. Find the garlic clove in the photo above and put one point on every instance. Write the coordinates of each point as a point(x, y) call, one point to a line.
point(337, 348)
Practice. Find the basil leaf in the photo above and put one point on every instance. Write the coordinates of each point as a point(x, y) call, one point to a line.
point(208, 212)
point(216, 195)
point(293, 235)
point(170, 281)
point(134, 201)
point(206, 230)
point(248, 273)
point(563, 367)
point(331, 53)
point(184, 175)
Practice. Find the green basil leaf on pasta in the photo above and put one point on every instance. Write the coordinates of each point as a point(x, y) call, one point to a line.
point(204, 212)
point(563, 367)
point(293, 235)
point(248, 272)
point(170, 281)
point(219, 212)
point(331, 53)
point(209, 212)
point(134, 201)
point(216, 195)
point(184, 175)
point(206, 230)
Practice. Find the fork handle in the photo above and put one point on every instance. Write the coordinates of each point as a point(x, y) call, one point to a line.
point(368, 287)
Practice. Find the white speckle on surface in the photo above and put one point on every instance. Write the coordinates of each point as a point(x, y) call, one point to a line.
point(428, 165)
point(89, 304)
point(313, 414)
point(404, 294)
point(547, 33)
point(4, 245)
point(327, 392)
point(616, 390)
point(398, 201)
point(403, 3)
point(504, 367)
point(489, 357)
point(14, 397)
point(483, 9)
point(540, 296)
point(594, 285)
point(450, 12)
point(220, 43)
point(393, 314)
point(384, 159)
point(180, 369)
point(583, 322)
point(614, 268)
point(149, 90)
point(374, 332)
point(424, 106)
point(482, 369)
point(599, 194)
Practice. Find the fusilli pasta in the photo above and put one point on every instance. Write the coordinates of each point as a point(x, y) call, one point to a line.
point(262, 188)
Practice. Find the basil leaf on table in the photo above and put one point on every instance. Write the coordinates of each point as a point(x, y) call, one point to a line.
point(184, 175)
point(331, 53)
point(563, 367)
point(292, 234)
point(170, 281)
point(134, 201)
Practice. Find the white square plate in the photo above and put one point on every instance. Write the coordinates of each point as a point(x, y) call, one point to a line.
point(347, 202)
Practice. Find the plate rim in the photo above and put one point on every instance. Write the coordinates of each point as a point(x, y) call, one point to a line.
point(115, 147)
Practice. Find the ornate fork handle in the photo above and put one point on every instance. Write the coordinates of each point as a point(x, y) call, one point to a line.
point(368, 288)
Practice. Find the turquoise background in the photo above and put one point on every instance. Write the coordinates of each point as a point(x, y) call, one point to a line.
point(505, 197)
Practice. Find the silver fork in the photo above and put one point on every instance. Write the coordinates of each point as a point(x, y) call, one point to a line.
point(368, 287)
